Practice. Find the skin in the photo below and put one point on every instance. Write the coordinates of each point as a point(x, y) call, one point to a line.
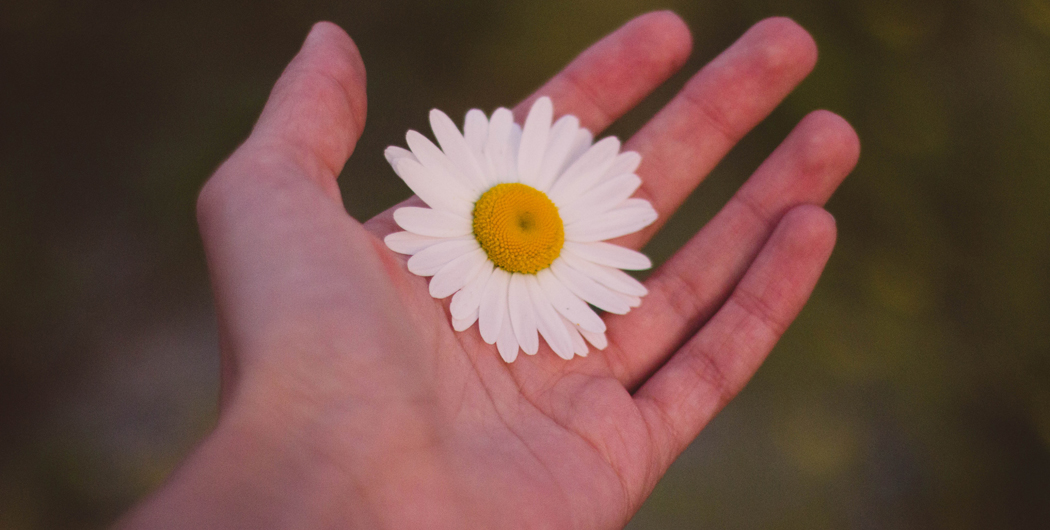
point(349, 401)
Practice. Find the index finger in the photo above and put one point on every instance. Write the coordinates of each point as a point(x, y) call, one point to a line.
point(603, 82)
point(715, 109)
point(617, 72)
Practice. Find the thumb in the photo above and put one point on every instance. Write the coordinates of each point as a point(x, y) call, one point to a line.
point(279, 244)
point(316, 111)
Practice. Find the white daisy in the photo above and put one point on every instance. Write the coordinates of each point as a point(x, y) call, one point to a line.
point(516, 227)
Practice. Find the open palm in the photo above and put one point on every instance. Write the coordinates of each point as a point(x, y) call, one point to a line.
point(349, 400)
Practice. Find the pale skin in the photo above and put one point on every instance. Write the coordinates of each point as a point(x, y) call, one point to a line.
point(348, 401)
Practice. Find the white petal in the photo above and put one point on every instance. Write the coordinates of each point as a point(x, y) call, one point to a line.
point(453, 276)
point(506, 343)
point(569, 305)
point(579, 346)
point(589, 290)
point(409, 243)
point(599, 199)
point(607, 276)
point(580, 144)
point(395, 153)
point(634, 215)
point(462, 324)
point(429, 261)
point(559, 144)
point(434, 223)
point(610, 255)
point(439, 193)
point(493, 305)
point(513, 143)
point(548, 322)
point(455, 146)
point(534, 141)
point(586, 171)
point(468, 298)
point(633, 301)
point(598, 340)
point(436, 161)
point(475, 131)
point(626, 162)
point(497, 144)
point(522, 314)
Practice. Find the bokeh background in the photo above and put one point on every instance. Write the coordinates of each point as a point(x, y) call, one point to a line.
point(913, 391)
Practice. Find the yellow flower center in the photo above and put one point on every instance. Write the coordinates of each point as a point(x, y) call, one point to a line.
point(519, 228)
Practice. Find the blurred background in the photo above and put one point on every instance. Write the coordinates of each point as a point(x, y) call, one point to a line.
point(913, 391)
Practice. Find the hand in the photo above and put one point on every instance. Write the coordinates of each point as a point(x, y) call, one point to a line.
point(347, 398)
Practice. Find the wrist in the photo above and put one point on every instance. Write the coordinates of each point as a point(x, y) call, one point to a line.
point(274, 462)
point(241, 475)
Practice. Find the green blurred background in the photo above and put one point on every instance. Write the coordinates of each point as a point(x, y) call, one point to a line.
point(913, 391)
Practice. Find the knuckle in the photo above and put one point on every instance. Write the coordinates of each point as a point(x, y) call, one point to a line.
point(716, 116)
point(708, 371)
point(253, 166)
point(759, 309)
point(680, 294)
point(664, 432)
point(587, 92)
point(753, 207)
point(210, 199)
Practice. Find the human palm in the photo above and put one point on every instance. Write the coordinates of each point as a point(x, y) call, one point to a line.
point(347, 397)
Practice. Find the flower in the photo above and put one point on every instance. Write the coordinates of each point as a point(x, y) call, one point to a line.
point(516, 227)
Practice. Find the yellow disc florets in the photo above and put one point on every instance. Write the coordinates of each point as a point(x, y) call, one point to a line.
point(519, 228)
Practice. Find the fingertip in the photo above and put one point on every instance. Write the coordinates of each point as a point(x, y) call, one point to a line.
point(333, 48)
point(786, 46)
point(323, 28)
point(830, 142)
point(670, 32)
point(317, 109)
point(324, 33)
point(809, 230)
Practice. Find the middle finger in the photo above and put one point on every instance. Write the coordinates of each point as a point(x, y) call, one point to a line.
point(715, 109)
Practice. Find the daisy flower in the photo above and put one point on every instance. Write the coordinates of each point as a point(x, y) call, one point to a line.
point(516, 227)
